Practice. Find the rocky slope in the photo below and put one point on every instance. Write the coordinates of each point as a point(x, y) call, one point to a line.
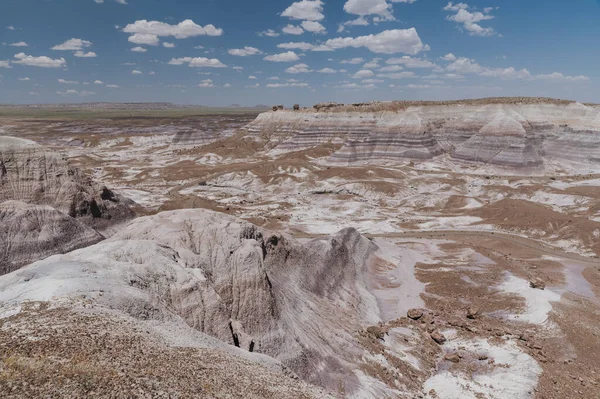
point(47, 206)
point(300, 303)
point(514, 134)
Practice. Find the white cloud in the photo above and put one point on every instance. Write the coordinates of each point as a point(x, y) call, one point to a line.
point(469, 66)
point(244, 52)
point(139, 49)
point(374, 63)
point(469, 20)
point(83, 54)
point(19, 44)
point(252, 77)
point(5, 64)
point(33, 93)
point(298, 68)
point(226, 85)
point(449, 57)
point(144, 38)
point(206, 83)
point(198, 62)
point(278, 85)
point(183, 30)
point(238, 68)
point(356, 86)
point(113, 86)
point(363, 73)
point(168, 45)
point(256, 86)
point(297, 45)
point(369, 7)
point(410, 62)
point(327, 70)
point(151, 73)
point(353, 61)
point(314, 27)
point(25, 79)
point(10, 27)
point(73, 45)
point(369, 81)
point(309, 10)
point(289, 56)
point(98, 82)
point(391, 68)
point(387, 42)
point(557, 76)
point(136, 72)
point(68, 82)
point(268, 32)
point(397, 75)
point(292, 30)
point(75, 93)
point(42, 62)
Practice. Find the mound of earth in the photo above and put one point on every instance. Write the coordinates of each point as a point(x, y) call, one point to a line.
point(30, 232)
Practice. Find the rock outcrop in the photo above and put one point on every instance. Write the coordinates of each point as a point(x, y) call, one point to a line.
point(298, 303)
point(513, 133)
point(47, 206)
point(31, 232)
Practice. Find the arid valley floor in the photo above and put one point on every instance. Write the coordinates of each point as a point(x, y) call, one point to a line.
point(397, 250)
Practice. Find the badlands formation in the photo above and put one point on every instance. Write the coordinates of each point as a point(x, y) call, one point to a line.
point(383, 250)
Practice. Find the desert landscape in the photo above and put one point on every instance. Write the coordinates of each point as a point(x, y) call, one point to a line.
point(401, 249)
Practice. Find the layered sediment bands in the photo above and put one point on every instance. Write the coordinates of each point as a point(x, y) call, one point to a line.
point(31, 232)
point(33, 174)
point(518, 135)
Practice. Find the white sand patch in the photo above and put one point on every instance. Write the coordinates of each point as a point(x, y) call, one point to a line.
point(452, 222)
point(538, 303)
point(144, 198)
point(397, 346)
point(514, 376)
point(396, 288)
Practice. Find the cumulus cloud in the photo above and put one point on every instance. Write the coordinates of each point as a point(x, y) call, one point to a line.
point(244, 52)
point(42, 62)
point(464, 66)
point(226, 85)
point(144, 38)
point(83, 54)
point(75, 93)
point(252, 77)
point(5, 64)
point(327, 70)
point(356, 86)
point(363, 73)
point(469, 20)
point(98, 82)
point(289, 56)
point(19, 44)
point(353, 61)
point(278, 85)
point(397, 75)
point(25, 79)
point(168, 45)
point(113, 86)
point(73, 45)
point(198, 62)
point(387, 42)
point(206, 83)
point(183, 30)
point(139, 49)
point(314, 27)
point(410, 62)
point(296, 45)
point(268, 32)
point(68, 82)
point(309, 10)
point(449, 57)
point(292, 30)
point(136, 72)
point(298, 68)
point(380, 9)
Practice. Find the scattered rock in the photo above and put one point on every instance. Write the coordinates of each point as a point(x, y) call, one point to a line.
point(376, 332)
point(452, 357)
point(415, 314)
point(438, 337)
point(473, 313)
point(537, 283)
point(296, 107)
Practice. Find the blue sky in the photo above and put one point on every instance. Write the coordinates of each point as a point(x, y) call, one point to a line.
point(222, 52)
